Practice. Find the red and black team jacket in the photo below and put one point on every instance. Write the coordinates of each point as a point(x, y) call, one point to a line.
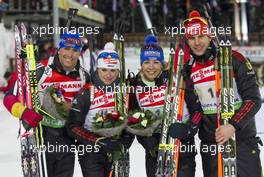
point(84, 107)
point(71, 82)
point(92, 99)
point(153, 98)
point(200, 81)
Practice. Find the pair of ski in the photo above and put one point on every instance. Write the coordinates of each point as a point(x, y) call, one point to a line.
point(169, 148)
point(32, 157)
point(225, 107)
point(227, 166)
point(121, 167)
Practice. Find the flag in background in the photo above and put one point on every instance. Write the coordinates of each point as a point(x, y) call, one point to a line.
point(188, 5)
point(133, 3)
point(256, 3)
point(165, 7)
point(114, 6)
point(94, 4)
point(214, 3)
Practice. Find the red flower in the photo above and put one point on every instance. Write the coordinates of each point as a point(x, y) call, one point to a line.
point(108, 116)
point(132, 120)
point(115, 116)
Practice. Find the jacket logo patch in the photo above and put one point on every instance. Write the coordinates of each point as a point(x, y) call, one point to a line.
point(65, 85)
point(103, 99)
point(152, 98)
point(249, 66)
point(202, 73)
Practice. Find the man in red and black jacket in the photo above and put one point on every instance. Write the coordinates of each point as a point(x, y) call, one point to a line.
point(200, 80)
point(64, 72)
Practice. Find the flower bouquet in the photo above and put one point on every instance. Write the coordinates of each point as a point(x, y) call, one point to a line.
point(55, 104)
point(108, 125)
point(143, 123)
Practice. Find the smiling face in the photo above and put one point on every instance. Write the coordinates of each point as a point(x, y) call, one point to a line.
point(68, 58)
point(150, 69)
point(108, 76)
point(199, 43)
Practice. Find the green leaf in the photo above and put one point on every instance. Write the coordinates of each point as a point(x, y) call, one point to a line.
point(107, 124)
point(148, 114)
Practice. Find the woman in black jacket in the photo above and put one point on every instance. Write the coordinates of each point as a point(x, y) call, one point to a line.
point(92, 100)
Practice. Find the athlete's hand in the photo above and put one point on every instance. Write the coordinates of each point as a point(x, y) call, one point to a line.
point(224, 133)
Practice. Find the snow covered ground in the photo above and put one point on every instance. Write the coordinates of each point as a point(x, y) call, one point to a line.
point(10, 147)
point(6, 50)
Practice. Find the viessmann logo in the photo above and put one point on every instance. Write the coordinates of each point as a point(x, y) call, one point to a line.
point(65, 85)
point(203, 73)
point(102, 100)
point(151, 98)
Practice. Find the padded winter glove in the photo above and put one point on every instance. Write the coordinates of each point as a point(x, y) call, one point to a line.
point(127, 139)
point(29, 117)
point(182, 131)
point(148, 142)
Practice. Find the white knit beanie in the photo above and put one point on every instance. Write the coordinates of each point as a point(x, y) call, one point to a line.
point(108, 58)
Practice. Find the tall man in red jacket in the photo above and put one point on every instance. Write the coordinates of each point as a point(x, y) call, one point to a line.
point(63, 71)
point(200, 80)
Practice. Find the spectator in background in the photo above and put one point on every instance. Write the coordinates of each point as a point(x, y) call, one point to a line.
point(46, 48)
point(11, 78)
point(86, 57)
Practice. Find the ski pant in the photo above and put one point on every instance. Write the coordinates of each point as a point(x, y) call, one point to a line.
point(248, 160)
point(186, 162)
point(59, 158)
point(94, 164)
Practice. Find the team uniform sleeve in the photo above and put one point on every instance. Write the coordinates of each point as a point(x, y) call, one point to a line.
point(193, 104)
point(133, 103)
point(11, 82)
point(40, 70)
point(248, 90)
point(11, 101)
point(75, 123)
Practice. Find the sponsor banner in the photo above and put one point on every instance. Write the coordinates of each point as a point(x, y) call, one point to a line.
point(254, 53)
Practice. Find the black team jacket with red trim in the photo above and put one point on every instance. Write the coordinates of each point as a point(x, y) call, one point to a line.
point(200, 80)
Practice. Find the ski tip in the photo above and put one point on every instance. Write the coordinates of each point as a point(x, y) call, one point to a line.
point(16, 29)
point(222, 43)
point(23, 26)
point(228, 43)
point(121, 38)
point(172, 51)
point(115, 37)
point(181, 52)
